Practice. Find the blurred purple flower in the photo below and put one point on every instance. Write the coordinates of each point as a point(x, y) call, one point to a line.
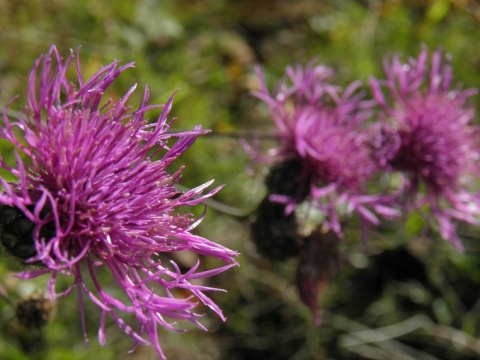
point(323, 128)
point(426, 134)
point(95, 179)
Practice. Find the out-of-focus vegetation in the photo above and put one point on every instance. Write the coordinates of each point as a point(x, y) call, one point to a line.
point(410, 295)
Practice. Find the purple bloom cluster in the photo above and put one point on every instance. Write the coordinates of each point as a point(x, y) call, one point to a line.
point(410, 147)
point(427, 135)
point(93, 172)
point(324, 128)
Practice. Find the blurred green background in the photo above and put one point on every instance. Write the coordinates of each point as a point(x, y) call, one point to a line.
point(409, 296)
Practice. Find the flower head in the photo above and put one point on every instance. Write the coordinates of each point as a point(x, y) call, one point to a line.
point(323, 128)
point(92, 177)
point(428, 137)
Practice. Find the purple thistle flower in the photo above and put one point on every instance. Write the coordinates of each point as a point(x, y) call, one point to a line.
point(92, 177)
point(428, 137)
point(324, 128)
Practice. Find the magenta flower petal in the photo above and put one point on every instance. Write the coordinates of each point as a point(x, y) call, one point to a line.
point(92, 177)
point(427, 135)
point(324, 128)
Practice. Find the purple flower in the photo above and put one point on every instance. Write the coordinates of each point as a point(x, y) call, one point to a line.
point(428, 137)
point(92, 177)
point(323, 128)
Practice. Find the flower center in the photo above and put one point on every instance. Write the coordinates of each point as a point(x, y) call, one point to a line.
point(424, 154)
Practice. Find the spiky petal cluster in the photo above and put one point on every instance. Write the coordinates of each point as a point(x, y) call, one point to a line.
point(96, 170)
point(427, 135)
point(323, 127)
